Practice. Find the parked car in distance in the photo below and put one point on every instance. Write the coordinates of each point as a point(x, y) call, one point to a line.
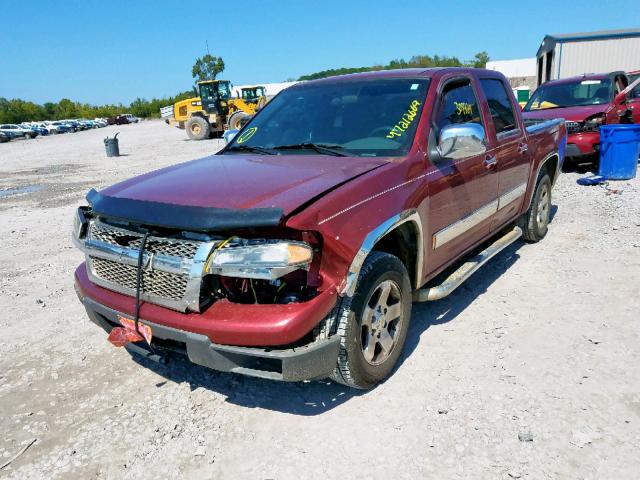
point(131, 118)
point(4, 137)
point(51, 128)
point(295, 253)
point(18, 131)
point(586, 102)
point(120, 120)
point(90, 124)
point(63, 127)
point(36, 128)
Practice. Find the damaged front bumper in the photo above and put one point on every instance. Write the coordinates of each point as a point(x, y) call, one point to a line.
point(314, 360)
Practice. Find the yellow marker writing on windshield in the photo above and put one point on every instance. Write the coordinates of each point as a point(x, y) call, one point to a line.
point(247, 135)
point(406, 120)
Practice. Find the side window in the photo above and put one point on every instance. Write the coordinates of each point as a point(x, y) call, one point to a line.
point(458, 104)
point(504, 118)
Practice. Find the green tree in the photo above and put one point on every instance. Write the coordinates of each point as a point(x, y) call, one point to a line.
point(419, 61)
point(207, 67)
point(481, 59)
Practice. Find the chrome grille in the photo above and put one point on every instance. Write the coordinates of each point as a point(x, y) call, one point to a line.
point(126, 238)
point(572, 127)
point(172, 267)
point(154, 282)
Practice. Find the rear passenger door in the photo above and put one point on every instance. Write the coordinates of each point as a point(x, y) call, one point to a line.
point(462, 191)
point(511, 150)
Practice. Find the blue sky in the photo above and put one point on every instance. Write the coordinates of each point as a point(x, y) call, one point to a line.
point(115, 51)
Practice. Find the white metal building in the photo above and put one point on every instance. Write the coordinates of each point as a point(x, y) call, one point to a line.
point(570, 54)
point(522, 67)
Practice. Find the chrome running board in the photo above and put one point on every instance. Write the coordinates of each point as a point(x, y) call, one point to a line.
point(467, 269)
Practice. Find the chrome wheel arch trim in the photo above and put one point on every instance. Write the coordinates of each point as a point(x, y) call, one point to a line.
point(555, 176)
point(374, 236)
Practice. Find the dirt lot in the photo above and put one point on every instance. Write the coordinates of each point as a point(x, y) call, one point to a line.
point(542, 344)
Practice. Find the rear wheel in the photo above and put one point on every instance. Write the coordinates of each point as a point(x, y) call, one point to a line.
point(237, 120)
point(535, 221)
point(198, 128)
point(373, 324)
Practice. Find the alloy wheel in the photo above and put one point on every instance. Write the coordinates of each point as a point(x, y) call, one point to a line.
point(381, 322)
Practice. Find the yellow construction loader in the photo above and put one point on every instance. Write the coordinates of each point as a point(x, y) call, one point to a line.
point(215, 110)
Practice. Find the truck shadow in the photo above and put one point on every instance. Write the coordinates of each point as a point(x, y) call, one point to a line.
point(317, 397)
point(428, 314)
point(300, 398)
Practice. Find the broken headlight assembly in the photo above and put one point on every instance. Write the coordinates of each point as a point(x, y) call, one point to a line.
point(265, 260)
point(592, 124)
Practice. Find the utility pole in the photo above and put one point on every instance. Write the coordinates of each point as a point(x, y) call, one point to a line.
point(207, 42)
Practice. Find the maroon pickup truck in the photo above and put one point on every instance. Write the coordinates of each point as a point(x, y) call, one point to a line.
point(296, 252)
point(585, 102)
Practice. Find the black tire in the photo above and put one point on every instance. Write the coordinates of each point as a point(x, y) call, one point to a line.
point(198, 128)
point(237, 120)
point(535, 221)
point(353, 368)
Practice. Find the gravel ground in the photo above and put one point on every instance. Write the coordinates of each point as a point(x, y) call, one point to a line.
point(530, 370)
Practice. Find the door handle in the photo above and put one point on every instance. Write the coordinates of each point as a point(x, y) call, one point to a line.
point(523, 148)
point(490, 162)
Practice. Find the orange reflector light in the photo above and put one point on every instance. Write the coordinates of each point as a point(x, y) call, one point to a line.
point(299, 254)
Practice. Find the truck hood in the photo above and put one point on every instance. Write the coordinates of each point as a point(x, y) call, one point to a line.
point(239, 182)
point(572, 114)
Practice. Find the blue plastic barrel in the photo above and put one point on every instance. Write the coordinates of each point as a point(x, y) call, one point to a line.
point(619, 151)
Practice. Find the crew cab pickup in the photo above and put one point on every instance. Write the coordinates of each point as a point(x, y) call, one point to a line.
point(586, 102)
point(296, 251)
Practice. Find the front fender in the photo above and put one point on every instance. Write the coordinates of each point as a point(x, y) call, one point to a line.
point(352, 218)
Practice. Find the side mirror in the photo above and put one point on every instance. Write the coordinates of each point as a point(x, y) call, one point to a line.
point(461, 141)
point(229, 135)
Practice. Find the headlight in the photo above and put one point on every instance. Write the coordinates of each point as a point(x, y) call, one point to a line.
point(592, 124)
point(266, 261)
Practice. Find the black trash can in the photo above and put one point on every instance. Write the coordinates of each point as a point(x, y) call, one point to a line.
point(111, 146)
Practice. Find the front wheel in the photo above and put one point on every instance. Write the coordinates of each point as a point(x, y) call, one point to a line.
point(535, 221)
point(238, 119)
point(373, 324)
point(198, 128)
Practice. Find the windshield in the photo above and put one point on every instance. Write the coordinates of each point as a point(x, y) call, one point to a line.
point(250, 93)
point(375, 117)
point(224, 90)
point(574, 94)
point(208, 92)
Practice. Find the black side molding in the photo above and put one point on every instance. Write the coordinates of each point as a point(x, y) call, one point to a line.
point(182, 217)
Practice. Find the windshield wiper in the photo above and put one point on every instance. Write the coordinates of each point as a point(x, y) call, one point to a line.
point(249, 148)
point(318, 147)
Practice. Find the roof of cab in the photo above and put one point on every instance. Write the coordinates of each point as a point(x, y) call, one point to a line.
point(399, 73)
point(584, 76)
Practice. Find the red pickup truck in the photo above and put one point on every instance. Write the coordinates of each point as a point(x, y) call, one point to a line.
point(586, 102)
point(296, 252)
